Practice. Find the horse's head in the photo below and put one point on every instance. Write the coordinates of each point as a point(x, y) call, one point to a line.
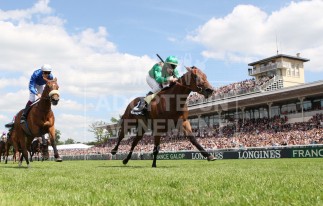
point(53, 92)
point(197, 81)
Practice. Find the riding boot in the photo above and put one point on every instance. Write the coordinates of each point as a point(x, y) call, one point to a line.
point(140, 106)
point(9, 125)
point(25, 112)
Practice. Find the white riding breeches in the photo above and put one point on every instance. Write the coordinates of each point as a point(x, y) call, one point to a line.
point(155, 87)
point(40, 89)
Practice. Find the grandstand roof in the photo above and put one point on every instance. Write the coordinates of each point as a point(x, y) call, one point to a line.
point(250, 100)
point(71, 146)
point(262, 98)
point(278, 56)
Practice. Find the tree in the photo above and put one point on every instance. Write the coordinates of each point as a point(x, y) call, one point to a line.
point(69, 141)
point(114, 120)
point(57, 137)
point(99, 132)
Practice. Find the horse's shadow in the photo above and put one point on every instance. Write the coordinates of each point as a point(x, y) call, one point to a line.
point(21, 167)
point(135, 166)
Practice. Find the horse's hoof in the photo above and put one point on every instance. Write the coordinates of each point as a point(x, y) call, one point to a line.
point(28, 166)
point(113, 152)
point(211, 158)
point(154, 166)
point(124, 161)
point(58, 159)
point(19, 164)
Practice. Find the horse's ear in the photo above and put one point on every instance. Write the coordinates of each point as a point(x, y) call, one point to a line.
point(46, 80)
point(189, 69)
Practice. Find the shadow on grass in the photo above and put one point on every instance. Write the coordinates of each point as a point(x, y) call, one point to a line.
point(16, 167)
point(137, 166)
point(121, 166)
point(13, 166)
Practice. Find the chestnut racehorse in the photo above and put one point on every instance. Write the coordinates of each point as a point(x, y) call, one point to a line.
point(40, 121)
point(167, 111)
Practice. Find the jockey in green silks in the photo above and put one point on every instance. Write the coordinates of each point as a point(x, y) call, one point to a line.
point(159, 76)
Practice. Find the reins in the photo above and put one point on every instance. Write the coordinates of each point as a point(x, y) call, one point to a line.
point(185, 85)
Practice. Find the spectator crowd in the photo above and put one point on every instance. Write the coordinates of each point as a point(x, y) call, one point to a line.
point(233, 89)
point(263, 132)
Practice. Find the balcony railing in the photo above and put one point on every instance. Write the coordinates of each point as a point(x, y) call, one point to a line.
point(269, 67)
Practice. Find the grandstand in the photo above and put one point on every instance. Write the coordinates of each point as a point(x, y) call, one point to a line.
point(285, 94)
point(273, 108)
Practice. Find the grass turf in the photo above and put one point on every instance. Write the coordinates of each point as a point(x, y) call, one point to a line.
point(173, 182)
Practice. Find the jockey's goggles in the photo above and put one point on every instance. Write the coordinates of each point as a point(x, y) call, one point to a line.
point(171, 66)
point(46, 73)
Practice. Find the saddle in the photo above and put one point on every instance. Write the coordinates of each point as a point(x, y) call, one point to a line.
point(25, 126)
point(149, 97)
point(142, 99)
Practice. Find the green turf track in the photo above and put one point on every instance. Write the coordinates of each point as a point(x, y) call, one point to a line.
point(174, 182)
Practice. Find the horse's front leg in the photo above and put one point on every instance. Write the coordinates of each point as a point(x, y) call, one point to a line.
point(24, 154)
point(53, 143)
point(15, 146)
point(188, 133)
point(156, 150)
point(14, 157)
point(21, 157)
point(133, 145)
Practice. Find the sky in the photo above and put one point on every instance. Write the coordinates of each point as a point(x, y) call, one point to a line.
point(101, 50)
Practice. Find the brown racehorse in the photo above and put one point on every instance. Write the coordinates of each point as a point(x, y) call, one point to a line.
point(40, 121)
point(167, 111)
point(2, 149)
point(14, 152)
point(39, 149)
point(8, 145)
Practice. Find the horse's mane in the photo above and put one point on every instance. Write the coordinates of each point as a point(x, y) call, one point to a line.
point(167, 88)
point(174, 83)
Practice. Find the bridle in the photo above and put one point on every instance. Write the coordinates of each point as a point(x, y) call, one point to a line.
point(195, 78)
point(51, 94)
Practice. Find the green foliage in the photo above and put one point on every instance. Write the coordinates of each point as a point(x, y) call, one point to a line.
point(58, 137)
point(173, 182)
point(114, 120)
point(69, 141)
point(100, 133)
point(90, 143)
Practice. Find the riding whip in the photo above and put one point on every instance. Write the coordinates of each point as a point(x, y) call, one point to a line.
point(161, 59)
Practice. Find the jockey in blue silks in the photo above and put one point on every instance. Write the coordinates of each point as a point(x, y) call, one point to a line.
point(36, 87)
